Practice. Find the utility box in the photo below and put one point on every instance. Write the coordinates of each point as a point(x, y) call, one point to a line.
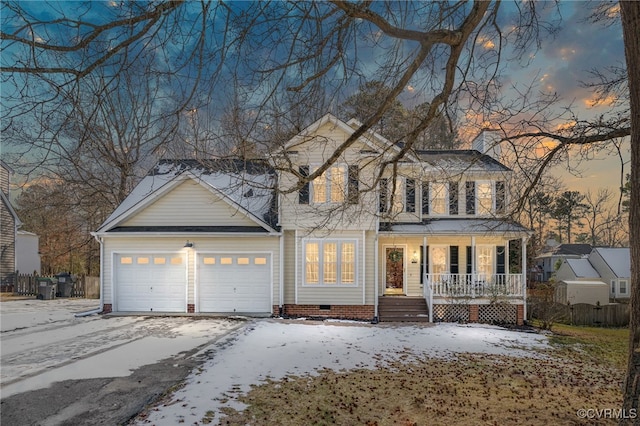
point(65, 284)
point(46, 288)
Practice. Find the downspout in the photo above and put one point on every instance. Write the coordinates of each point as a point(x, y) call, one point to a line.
point(101, 308)
point(281, 280)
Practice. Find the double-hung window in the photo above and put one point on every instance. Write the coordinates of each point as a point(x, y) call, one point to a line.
point(330, 262)
point(439, 198)
point(484, 196)
point(331, 186)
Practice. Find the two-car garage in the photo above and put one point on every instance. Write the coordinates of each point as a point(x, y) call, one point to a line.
point(225, 282)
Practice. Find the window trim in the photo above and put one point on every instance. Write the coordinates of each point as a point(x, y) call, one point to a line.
point(626, 288)
point(328, 178)
point(444, 198)
point(492, 197)
point(338, 264)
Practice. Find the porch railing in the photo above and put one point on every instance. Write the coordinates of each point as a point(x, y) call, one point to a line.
point(473, 285)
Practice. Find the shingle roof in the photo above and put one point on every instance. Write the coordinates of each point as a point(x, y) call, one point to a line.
point(249, 184)
point(469, 160)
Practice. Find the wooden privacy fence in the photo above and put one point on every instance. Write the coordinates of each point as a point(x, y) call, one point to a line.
point(612, 315)
point(83, 286)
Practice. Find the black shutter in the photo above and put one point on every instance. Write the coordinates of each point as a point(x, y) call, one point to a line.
point(410, 190)
point(453, 198)
point(303, 194)
point(500, 260)
point(471, 197)
point(353, 186)
point(469, 260)
point(384, 193)
point(424, 263)
point(454, 259)
point(501, 197)
point(425, 198)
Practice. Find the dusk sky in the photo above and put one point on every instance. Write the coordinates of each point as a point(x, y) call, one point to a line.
point(561, 64)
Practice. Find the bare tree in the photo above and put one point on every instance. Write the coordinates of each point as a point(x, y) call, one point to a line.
point(262, 50)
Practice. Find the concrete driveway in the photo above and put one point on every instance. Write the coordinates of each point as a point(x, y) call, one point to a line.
point(57, 368)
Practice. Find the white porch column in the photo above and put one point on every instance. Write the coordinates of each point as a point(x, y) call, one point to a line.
point(473, 255)
point(524, 275)
point(375, 277)
point(424, 258)
point(424, 277)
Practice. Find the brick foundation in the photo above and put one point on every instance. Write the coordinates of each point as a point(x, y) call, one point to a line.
point(474, 313)
point(360, 312)
point(520, 315)
point(191, 308)
point(107, 308)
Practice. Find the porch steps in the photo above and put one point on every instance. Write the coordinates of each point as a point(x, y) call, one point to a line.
point(402, 309)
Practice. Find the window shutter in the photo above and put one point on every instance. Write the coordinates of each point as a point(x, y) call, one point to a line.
point(425, 198)
point(410, 189)
point(453, 198)
point(500, 260)
point(303, 194)
point(353, 185)
point(469, 260)
point(424, 263)
point(384, 193)
point(471, 197)
point(453, 260)
point(501, 197)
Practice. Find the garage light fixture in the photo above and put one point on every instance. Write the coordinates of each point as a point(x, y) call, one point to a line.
point(188, 244)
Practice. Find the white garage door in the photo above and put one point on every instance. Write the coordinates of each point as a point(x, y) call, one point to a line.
point(150, 282)
point(234, 283)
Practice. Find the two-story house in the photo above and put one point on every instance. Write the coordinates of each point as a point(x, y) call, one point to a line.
point(228, 236)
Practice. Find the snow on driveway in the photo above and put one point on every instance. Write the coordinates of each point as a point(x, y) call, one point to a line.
point(42, 342)
point(277, 348)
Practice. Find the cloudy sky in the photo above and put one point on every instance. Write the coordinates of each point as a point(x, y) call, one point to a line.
point(559, 66)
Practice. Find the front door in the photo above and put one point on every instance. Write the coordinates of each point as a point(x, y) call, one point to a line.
point(394, 271)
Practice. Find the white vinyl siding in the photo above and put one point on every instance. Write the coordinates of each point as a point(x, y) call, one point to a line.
point(190, 204)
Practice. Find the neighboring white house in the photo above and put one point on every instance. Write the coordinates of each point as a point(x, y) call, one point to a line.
point(614, 266)
point(234, 236)
point(610, 267)
point(27, 254)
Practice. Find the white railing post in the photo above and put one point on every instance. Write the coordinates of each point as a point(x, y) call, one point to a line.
point(427, 292)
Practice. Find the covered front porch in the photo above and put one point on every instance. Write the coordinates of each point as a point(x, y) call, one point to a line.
point(472, 270)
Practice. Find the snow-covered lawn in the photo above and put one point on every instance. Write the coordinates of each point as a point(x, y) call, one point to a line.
point(273, 349)
point(42, 342)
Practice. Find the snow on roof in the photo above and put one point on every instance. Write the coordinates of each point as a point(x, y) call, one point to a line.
point(248, 184)
point(618, 259)
point(582, 268)
point(447, 226)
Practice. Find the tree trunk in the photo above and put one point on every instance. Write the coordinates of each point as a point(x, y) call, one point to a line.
point(630, 12)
